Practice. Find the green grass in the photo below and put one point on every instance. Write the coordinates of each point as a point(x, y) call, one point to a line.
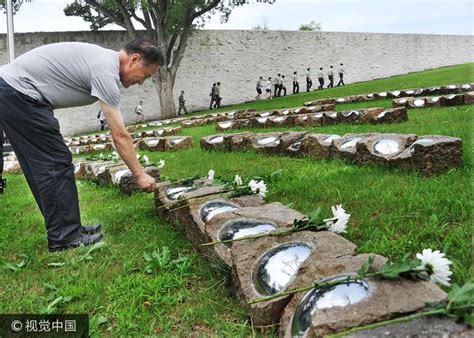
point(178, 293)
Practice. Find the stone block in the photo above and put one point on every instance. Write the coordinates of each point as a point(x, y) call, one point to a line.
point(345, 147)
point(148, 133)
point(214, 142)
point(80, 169)
point(330, 118)
point(381, 148)
point(152, 144)
point(407, 92)
point(317, 313)
point(198, 213)
point(372, 114)
point(269, 143)
point(433, 91)
point(393, 94)
point(225, 125)
point(79, 150)
point(433, 101)
point(280, 121)
point(450, 89)
point(350, 116)
point(265, 266)
point(328, 107)
point(106, 173)
point(369, 97)
point(259, 122)
point(173, 143)
point(240, 142)
point(380, 95)
point(342, 100)
point(125, 180)
point(466, 87)
point(469, 98)
point(321, 102)
point(434, 154)
point(93, 168)
point(390, 115)
point(315, 120)
point(452, 100)
point(290, 143)
point(11, 167)
point(301, 120)
point(401, 102)
point(416, 102)
point(317, 146)
point(244, 222)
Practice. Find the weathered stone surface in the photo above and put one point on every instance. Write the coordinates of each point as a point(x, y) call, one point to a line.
point(351, 116)
point(371, 114)
point(127, 183)
point(247, 256)
point(280, 121)
point(385, 300)
point(469, 98)
point(401, 102)
point(316, 120)
point(434, 154)
point(240, 142)
point(427, 327)
point(290, 142)
point(268, 143)
point(80, 169)
point(152, 144)
point(452, 100)
point(11, 167)
point(393, 94)
point(450, 89)
point(433, 101)
point(105, 174)
point(93, 168)
point(225, 125)
point(317, 146)
point(330, 117)
point(79, 150)
point(178, 142)
point(389, 115)
point(345, 147)
point(214, 142)
point(168, 131)
point(321, 102)
point(301, 120)
point(194, 220)
point(259, 122)
point(416, 102)
point(275, 214)
point(382, 147)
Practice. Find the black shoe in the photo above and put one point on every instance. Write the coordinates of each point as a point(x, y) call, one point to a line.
point(3, 184)
point(84, 239)
point(91, 229)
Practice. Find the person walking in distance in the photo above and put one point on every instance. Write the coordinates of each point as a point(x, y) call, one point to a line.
point(61, 75)
point(341, 75)
point(331, 77)
point(181, 102)
point(217, 95)
point(276, 85)
point(102, 120)
point(283, 86)
point(296, 85)
point(140, 116)
point(309, 81)
point(268, 88)
point(259, 87)
point(321, 78)
point(212, 95)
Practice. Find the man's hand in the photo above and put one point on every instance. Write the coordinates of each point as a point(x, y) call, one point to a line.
point(146, 182)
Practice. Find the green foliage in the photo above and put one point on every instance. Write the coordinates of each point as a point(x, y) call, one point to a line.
point(312, 26)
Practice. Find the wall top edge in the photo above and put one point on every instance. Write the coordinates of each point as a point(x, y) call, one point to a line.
point(246, 31)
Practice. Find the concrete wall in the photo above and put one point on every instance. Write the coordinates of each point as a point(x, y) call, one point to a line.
point(238, 58)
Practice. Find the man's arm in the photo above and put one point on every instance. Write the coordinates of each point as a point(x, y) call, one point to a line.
point(124, 145)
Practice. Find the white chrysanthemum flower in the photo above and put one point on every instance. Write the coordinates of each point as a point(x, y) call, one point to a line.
point(338, 223)
point(262, 189)
point(138, 157)
point(435, 265)
point(253, 186)
point(238, 180)
point(101, 156)
point(161, 164)
point(146, 159)
point(210, 175)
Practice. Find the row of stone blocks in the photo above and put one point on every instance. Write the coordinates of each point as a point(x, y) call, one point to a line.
point(167, 143)
point(435, 101)
point(428, 154)
point(109, 173)
point(265, 266)
point(106, 138)
point(318, 119)
point(440, 90)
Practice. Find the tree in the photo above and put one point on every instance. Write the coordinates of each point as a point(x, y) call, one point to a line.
point(312, 26)
point(167, 22)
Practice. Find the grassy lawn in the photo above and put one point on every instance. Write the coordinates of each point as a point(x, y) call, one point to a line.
point(179, 293)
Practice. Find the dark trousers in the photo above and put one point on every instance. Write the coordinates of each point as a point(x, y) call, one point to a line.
point(321, 83)
point(103, 124)
point(296, 87)
point(213, 100)
point(331, 81)
point(1, 153)
point(182, 107)
point(217, 100)
point(309, 84)
point(45, 160)
point(276, 90)
point(341, 79)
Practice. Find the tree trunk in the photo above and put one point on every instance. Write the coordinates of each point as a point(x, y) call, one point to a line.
point(164, 82)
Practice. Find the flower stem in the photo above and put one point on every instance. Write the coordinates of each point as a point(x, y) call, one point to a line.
point(391, 321)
